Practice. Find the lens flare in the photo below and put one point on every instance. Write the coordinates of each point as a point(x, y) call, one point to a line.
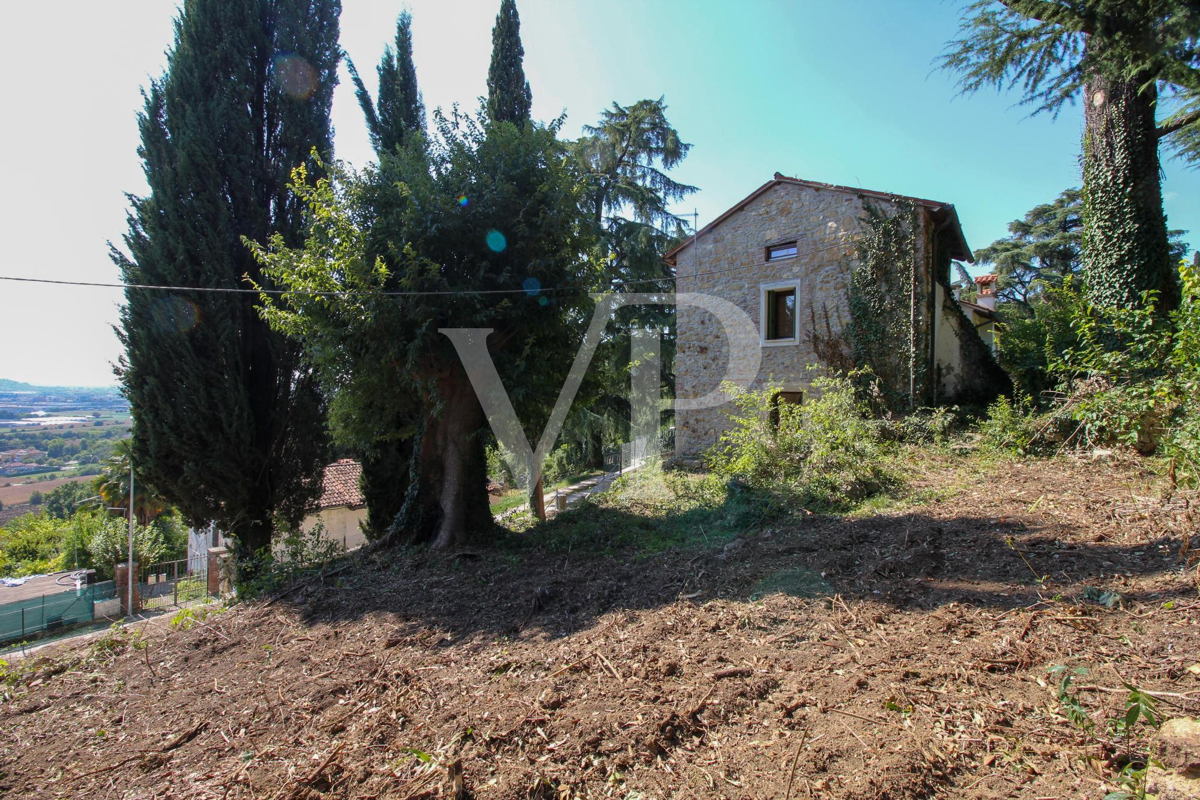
point(295, 75)
point(496, 241)
point(462, 200)
point(174, 315)
point(532, 286)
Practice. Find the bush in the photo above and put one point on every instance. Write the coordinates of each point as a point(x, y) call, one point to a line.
point(1007, 428)
point(109, 544)
point(926, 425)
point(1133, 378)
point(822, 454)
point(564, 462)
point(36, 499)
point(298, 552)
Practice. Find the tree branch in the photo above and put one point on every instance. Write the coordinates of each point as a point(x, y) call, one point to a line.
point(1173, 125)
point(1051, 12)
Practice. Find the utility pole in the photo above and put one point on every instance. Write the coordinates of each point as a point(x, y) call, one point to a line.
point(129, 569)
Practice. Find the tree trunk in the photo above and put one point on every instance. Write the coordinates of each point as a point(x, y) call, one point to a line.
point(451, 500)
point(1125, 248)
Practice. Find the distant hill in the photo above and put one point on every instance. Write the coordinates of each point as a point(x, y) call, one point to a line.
point(7, 385)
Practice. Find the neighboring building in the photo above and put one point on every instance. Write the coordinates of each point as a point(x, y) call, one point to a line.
point(342, 508)
point(784, 255)
point(982, 312)
point(29, 456)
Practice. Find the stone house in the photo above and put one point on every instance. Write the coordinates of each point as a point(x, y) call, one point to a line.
point(785, 255)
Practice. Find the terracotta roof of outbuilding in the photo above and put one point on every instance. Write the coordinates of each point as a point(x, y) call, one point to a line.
point(945, 210)
point(341, 485)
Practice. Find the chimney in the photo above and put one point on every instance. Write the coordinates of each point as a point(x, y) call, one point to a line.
point(987, 291)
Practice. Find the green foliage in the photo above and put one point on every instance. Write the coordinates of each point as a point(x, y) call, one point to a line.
point(824, 454)
point(565, 461)
point(1134, 379)
point(1041, 250)
point(34, 544)
point(509, 98)
point(36, 498)
point(1007, 427)
point(882, 326)
point(928, 426)
point(229, 421)
point(403, 226)
point(63, 502)
point(1075, 712)
point(109, 544)
point(299, 553)
point(397, 110)
point(1130, 56)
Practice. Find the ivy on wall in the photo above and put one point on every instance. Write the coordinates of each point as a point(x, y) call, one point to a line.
point(882, 331)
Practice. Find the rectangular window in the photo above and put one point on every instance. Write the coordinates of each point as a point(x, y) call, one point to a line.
point(777, 252)
point(782, 398)
point(781, 314)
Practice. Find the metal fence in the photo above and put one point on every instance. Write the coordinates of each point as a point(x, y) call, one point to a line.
point(49, 612)
point(172, 583)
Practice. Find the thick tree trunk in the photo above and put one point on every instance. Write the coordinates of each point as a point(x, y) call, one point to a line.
point(1125, 248)
point(449, 505)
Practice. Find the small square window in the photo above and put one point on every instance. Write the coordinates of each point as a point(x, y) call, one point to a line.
point(778, 252)
point(781, 314)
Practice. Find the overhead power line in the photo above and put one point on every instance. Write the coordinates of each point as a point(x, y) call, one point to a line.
point(841, 244)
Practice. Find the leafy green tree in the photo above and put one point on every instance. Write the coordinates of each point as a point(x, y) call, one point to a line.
point(109, 544)
point(228, 420)
point(1124, 59)
point(397, 110)
point(1042, 249)
point(509, 98)
point(33, 545)
point(36, 499)
point(63, 502)
point(467, 232)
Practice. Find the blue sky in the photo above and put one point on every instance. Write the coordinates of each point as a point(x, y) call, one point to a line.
point(840, 92)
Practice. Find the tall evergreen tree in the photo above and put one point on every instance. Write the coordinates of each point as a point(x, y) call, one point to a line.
point(397, 110)
point(1124, 58)
point(509, 98)
point(228, 424)
point(393, 116)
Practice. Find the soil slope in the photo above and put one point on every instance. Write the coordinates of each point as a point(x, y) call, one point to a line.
point(900, 655)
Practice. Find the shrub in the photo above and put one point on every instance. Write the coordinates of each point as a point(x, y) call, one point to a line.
point(298, 552)
point(824, 453)
point(926, 425)
point(565, 461)
point(36, 499)
point(1134, 378)
point(109, 544)
point(1007, 428)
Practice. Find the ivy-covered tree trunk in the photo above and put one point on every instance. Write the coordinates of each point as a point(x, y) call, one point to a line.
point(445, 499)
point(453, 465)
point(1125, 247)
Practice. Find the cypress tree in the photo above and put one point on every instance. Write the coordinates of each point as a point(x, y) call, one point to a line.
point(228, 424)
point(509, 98)
point(398, 110)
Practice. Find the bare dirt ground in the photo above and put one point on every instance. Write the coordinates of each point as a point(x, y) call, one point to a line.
point(22, 488)
point(899, 655)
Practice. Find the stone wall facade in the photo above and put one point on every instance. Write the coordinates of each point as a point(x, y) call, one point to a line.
point(730, 261)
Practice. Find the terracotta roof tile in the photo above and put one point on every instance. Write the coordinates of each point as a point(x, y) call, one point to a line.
point(341, 485)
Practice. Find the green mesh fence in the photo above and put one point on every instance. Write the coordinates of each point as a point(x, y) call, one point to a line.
point(48, 612)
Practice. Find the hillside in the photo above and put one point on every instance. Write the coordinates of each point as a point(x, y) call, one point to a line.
point(903, 654)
